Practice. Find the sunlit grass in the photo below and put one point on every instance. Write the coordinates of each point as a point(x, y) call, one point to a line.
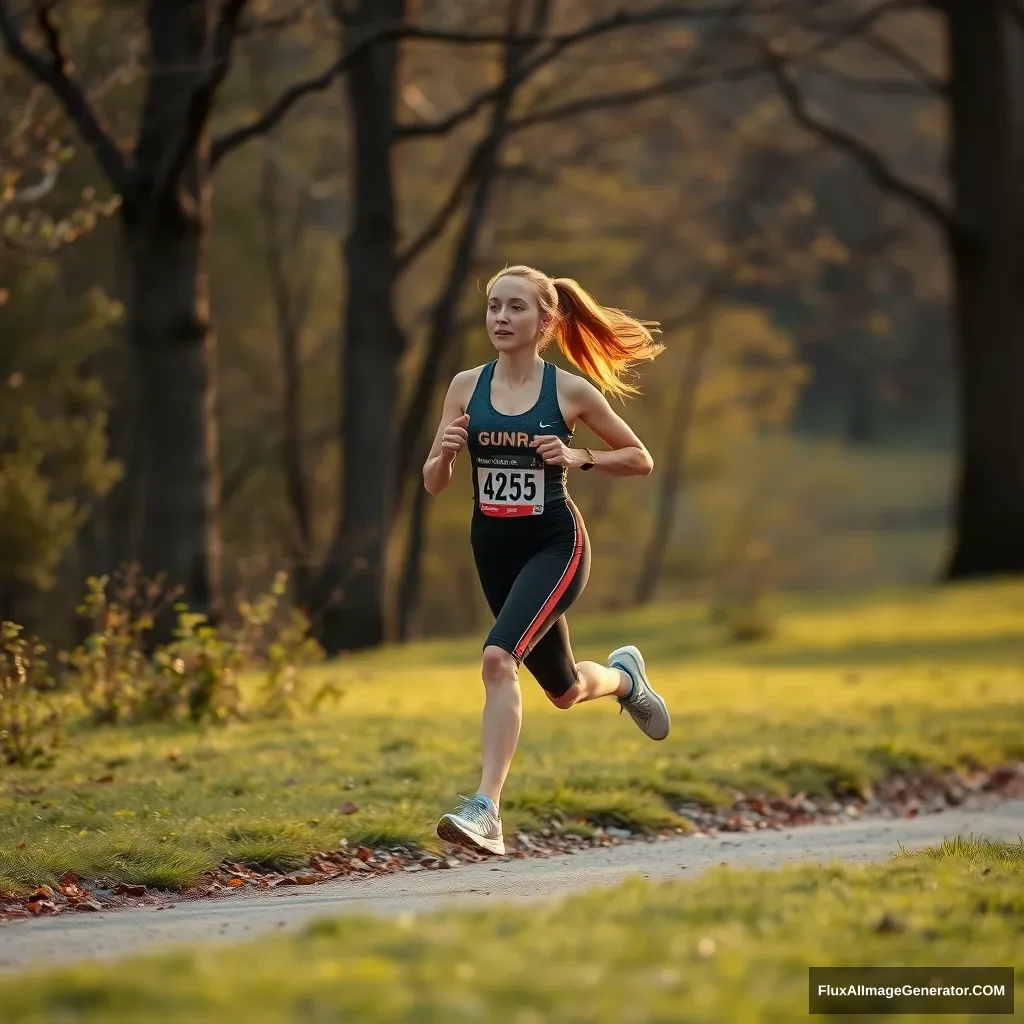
point(850, 690)
point(732, 946)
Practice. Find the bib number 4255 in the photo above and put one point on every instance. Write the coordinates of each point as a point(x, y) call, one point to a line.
point(511, 492)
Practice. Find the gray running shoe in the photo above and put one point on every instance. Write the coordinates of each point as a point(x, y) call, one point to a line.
point(645, 707)
point(472, 824)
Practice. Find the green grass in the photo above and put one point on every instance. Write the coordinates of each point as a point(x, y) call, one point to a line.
point(731, 946)
point(848, 691)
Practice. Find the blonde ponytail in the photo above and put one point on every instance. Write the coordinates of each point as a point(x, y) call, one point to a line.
point(601, 341)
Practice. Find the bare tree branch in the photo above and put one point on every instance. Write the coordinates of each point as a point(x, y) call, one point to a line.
point(435, 227)
point(872, 86)
point(629, 97)
point(867, 17)
point(688, 79)
point(398, 30)
point(557, 45)
point(55, 73)
point(869, 160)
point(201, 101)
point(560, 43)
point(837, 33)
point(231, 140)
point(909, 64)
point(258, 26)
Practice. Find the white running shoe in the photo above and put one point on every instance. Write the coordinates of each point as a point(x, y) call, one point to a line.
point(472, 824)
point(645, 707)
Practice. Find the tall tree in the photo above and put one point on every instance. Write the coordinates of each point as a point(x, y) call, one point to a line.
point(169, 438)
point(983, 228)
point(413, 435)
point(164, 189)
point(351, 598)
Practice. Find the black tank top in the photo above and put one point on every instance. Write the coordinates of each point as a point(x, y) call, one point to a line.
point(509, 478)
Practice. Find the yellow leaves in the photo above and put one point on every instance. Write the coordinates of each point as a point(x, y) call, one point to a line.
point(762, 117)
point(879, 323)
point(716, 253)
point(828, 249)
point(803, 204)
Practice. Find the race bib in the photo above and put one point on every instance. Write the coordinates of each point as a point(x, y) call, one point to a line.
point(506, 491)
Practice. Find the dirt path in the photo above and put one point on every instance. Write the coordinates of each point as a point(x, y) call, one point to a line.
point(68, 938)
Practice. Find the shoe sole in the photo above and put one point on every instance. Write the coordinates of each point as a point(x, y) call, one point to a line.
point(449, 829)
point(632, 654)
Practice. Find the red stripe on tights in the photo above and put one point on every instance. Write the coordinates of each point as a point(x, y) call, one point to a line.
point(560, 588)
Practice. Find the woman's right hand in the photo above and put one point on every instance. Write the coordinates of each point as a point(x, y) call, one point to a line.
point(456, 436)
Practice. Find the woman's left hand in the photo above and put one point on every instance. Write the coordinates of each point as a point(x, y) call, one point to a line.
point(555, 453)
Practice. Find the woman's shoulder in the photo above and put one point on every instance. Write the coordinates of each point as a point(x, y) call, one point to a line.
point(464, 381)
point(572, 385)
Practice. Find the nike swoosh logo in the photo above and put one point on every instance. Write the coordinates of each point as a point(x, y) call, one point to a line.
point(544, 426)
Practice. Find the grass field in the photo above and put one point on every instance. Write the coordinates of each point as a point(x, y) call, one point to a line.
point(850, 690)
point(732, 946)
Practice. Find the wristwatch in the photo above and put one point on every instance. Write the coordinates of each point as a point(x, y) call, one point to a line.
point(591, 463)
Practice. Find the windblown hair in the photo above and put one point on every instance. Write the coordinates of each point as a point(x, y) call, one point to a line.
point(602, 341)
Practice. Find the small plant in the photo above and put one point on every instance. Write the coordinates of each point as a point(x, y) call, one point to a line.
point(282, 647)
point(198, 672)
point(204, 663)
point(196, 677)
point(30, 726)
point(115, 676)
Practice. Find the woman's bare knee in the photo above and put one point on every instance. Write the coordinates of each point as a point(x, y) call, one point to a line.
point(498, 667)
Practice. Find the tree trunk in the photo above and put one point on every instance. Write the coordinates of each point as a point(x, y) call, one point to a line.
point(988, 263)
point(174, 353)
point(412, 570)
point(679, 442)
point(289, 286)
point(351, 592)
point(417, 433)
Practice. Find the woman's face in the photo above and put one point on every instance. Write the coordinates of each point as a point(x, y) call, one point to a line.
point(514, 317)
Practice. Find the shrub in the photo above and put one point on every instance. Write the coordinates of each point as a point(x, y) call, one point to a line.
point(114, 674)
point(30, 726)
point(195, 677)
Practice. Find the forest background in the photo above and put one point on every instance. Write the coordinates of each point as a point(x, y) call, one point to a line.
point(244, 246)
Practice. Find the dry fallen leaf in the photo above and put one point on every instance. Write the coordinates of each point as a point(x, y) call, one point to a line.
point(128, 889)
point(21, 845)
point(235, 883)
point(348, 807)
point(364, 853)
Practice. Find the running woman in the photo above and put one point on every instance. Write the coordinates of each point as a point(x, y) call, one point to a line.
point(516, 416)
